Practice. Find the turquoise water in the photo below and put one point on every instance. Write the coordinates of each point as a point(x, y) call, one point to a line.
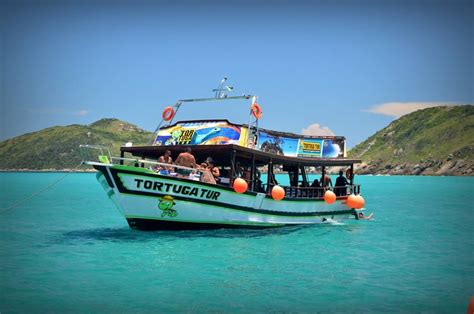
point(70, 250)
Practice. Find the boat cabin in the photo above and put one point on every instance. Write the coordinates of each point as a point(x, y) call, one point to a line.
point(246, 151)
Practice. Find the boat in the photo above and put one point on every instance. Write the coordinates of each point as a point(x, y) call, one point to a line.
point(152, 195)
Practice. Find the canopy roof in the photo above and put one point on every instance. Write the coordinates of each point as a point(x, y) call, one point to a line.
point(273, 132)
point(222, 154)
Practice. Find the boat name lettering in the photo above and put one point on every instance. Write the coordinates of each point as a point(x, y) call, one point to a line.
point(177, 189)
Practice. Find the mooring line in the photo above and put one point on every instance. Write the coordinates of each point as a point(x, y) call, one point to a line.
point(3, 210)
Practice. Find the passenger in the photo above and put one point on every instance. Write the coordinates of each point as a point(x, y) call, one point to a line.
point(206, 175)
point(361, 216)
point(340, 186)
point(318, 192)
point(246, 175)
point(315, 184)
point(166, 158)
point(326, 181)
point(292, 179)
point(258, 184)
point(185, 159)
point(239, 170)
point(214, 170)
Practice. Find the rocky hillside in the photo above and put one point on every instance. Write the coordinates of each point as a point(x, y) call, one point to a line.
point(58, 147)
point(433, 141)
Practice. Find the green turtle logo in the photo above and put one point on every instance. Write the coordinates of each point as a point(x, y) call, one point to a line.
point(173, 140)
point(166, 205)
point(176, 134)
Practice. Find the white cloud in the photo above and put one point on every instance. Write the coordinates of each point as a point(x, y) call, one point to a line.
point(316, 129)
point(398, 109)
point(82, 112)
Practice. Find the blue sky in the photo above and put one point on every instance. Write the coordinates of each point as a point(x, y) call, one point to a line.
point(328, 63)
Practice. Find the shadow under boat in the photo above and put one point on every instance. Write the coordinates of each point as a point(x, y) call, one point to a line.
point(125, 234)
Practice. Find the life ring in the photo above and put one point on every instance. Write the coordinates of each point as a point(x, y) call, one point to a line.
point(349, 174)
point(256, 110)
point(168, 113)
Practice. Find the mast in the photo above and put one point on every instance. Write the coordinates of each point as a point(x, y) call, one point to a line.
point(221, 94)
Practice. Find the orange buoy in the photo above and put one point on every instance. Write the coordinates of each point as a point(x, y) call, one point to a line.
point(355, 201)
point(470, 307)
point(351, 201)
point(278, 193)
point(329, 197)
point(360, 202)
point(256, 110)
point(168, 113)
point(240, 185)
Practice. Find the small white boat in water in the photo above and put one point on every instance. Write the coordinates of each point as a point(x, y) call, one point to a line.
point(154, 195)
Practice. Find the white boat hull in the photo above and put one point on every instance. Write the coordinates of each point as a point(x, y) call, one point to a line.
point(152, 201)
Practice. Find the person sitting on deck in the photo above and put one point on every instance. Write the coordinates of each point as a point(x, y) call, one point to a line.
point(214, 170)
point(166, 158)
point(318, 191)
point(246, 175)
point(239, 170)
point(185, 159)
point(206, 175)
point(293, 178)
point(340, 186)
point(315, 184)
point(258, 182)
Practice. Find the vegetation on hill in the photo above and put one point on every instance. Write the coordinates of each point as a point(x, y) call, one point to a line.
point(433, 141)
point(58, 147)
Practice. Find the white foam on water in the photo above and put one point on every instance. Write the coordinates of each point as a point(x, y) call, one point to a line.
point(333, 222)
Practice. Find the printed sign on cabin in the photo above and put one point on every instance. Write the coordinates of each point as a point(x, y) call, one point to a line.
point(310, 147)
point(200, 133)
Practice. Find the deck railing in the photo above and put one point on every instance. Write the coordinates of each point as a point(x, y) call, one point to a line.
point(290, 191)
point(153, 165)
point(318, 192)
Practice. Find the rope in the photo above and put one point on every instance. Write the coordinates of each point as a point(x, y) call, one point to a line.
point(3, 210)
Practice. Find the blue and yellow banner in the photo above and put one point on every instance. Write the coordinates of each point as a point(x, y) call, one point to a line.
point(200, 133)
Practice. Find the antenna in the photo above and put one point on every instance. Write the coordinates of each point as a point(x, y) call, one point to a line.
point(221, 90)
point(220, 95)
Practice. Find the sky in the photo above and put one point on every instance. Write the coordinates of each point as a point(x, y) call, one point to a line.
point(319, 67)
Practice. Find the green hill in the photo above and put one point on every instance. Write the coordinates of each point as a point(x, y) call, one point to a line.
point(58, 147)
point(433, 141)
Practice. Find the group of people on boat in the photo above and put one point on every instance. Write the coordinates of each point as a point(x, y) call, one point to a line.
point(339, 187)
point(209, 172)
point(186, 166)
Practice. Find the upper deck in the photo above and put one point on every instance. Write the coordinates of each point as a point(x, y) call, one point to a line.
point(227, 141)
point(223, 154)
point(217, 135)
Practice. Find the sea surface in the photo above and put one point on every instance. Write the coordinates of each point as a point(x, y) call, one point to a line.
point(69, 250)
